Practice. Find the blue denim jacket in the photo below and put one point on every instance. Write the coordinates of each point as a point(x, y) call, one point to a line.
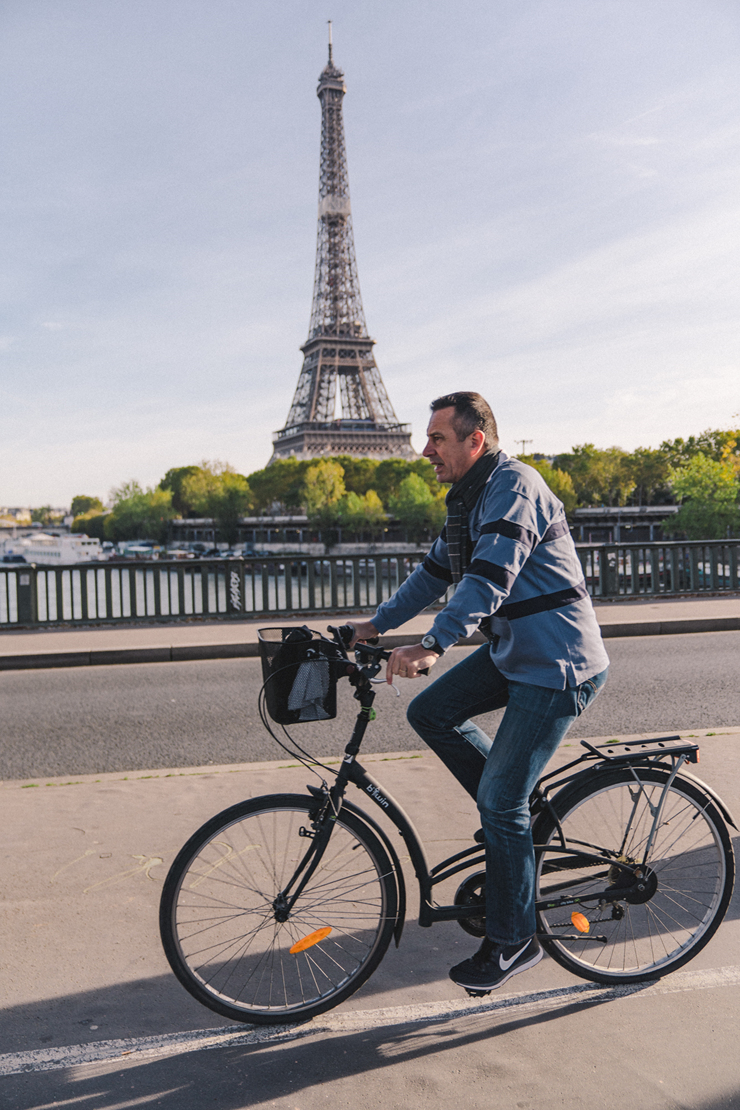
point(524, 573)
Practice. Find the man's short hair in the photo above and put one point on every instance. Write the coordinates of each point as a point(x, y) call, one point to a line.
point(472, 414)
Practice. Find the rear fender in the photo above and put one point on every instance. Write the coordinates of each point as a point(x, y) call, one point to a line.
point(683, 774)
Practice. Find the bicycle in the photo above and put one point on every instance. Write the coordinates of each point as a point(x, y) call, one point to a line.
point(281, 907)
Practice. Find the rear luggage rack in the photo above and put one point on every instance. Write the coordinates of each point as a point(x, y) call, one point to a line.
point(644, 749)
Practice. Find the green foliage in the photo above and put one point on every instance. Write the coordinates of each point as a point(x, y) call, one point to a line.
point(650, 471)
point(84, 504)
point(323, 491)
point(722, 445)
point(388, 477)
point(174, 480)
point(708, 490)
point(359, 474)
point(559, 481)
point(215, 490)
point(600, 477)
point(280, 483)
point(139, 514)
point(417, 507)
point(91, 523)
point(361, 513)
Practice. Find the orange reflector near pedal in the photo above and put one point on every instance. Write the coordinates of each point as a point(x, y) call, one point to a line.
point(581, 923)
point(314, 938)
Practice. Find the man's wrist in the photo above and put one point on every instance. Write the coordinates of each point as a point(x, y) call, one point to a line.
point(431, 643)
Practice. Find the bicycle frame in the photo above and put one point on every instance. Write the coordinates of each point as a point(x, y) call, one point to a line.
point(668, 752)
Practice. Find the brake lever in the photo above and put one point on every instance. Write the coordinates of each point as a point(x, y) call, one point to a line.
point(378, 681)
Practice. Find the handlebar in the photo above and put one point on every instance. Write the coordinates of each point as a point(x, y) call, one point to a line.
point(367, 648)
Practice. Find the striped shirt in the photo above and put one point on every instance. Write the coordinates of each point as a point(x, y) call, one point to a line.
point(524, 572)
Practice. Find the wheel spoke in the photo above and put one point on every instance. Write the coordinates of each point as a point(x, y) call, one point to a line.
point(689, 877)
point(220, 923)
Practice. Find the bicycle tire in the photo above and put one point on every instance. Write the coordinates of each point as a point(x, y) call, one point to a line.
point(691, 859)
point(219, 928)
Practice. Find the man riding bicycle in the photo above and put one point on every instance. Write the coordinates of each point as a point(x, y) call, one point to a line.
point(507, 546)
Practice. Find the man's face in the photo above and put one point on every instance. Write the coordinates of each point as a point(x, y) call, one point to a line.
point(451, 458)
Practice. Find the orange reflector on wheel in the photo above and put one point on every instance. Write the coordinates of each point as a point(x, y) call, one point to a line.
point(581, 923)
point(314, 938)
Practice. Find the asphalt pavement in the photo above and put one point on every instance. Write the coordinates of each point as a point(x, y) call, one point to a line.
point(93, 1017)
point(85, 720)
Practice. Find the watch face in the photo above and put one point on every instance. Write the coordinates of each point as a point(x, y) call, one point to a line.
point(429, 642)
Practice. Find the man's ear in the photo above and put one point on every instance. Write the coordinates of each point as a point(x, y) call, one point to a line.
point(477, 441)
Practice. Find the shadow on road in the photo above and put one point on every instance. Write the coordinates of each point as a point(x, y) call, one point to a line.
point(375, 1067)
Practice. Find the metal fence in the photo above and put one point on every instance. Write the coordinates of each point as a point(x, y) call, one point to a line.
point(661, 569)
point(235, 588)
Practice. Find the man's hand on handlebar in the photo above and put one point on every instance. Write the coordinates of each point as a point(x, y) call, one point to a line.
point(409, 662)
point(363, 630)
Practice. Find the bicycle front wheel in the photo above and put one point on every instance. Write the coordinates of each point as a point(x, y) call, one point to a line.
point(688, 881)
point(228, 944)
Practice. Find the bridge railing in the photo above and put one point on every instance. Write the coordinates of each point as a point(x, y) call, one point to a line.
point(219, 588)
point(661, 569)
point(95, 593)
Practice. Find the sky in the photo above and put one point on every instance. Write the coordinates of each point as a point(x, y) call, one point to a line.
point(545, 197)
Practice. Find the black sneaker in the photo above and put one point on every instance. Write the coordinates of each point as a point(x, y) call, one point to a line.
point(494, 964)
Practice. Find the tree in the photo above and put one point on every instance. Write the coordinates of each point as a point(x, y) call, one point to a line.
point(412, 505)
point(139, 514)
point(323, 491)
point(279, 483)
point(174, 480)
point(359, 514)
point(650, 471)
point(359, 474)
point(722, 445)
point(91, 524)
point(388, 477)
point(559, 481)
point(600, 477)
point(84, 504)
point(217, 491)
point(709, 491)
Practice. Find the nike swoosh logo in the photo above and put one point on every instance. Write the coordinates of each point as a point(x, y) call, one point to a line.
point(506, 964)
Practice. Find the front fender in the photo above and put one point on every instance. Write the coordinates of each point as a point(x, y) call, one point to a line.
point(400, 881)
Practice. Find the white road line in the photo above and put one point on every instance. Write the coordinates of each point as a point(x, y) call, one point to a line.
point(174, 1044)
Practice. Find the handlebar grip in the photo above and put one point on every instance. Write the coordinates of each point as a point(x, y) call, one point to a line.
point(425, 671)
point(345, 633)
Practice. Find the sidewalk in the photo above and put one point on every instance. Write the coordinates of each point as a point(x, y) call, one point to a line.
point(164, 643)
point(82, 966)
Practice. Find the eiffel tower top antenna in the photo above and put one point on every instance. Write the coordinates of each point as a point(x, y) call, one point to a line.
point(338, 348)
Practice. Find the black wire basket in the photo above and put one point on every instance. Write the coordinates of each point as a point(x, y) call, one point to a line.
point(299, 669)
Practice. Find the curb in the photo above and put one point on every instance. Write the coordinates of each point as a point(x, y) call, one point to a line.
point(178, 654)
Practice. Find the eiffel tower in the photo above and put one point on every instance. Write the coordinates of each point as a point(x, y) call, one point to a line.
point(338, 347)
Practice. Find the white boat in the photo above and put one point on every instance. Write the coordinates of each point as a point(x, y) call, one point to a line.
point(60, 551)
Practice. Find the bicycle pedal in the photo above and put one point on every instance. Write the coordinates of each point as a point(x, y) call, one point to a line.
point(477, 994)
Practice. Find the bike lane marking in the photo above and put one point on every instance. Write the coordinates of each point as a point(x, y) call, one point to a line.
point(134, 1049)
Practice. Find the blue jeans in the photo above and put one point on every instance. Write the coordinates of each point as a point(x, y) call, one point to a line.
point(500, 774)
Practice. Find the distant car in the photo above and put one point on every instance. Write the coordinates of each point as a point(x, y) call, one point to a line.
point(14, 559)
point(140, 551)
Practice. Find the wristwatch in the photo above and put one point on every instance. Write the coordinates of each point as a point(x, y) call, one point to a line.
point(430, 643)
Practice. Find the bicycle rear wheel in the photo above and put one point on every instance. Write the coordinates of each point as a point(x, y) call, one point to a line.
point(687, 887)
point(224, 939)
